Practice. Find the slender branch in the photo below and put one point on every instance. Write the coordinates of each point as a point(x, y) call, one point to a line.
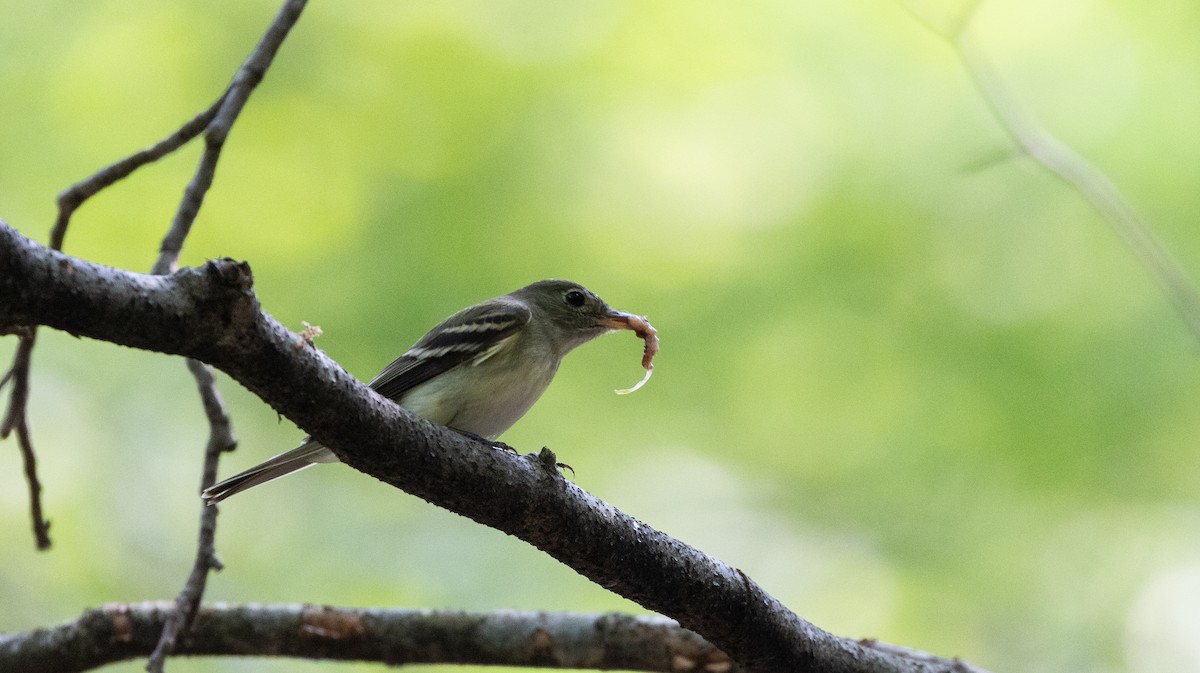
point(1038, 143)
point(210, 313)
point(18, 375)
point(118, 632)
point(220, 439)
point(16, 419)
point(71, 198)
point(41, 526)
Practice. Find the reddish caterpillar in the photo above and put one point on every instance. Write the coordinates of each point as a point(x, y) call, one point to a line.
point(647, 333)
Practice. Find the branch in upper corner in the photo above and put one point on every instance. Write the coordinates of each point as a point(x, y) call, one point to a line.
point(1091, 183)
point(1039, 144)
point(120, 632)
point(248, 76)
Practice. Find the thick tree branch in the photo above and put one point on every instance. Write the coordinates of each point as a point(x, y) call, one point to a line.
point(119, 632)
point(211, 314)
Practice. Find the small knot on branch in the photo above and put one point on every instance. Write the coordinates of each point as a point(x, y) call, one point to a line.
point(230, 272)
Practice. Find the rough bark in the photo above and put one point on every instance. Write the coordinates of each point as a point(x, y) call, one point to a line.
point(121, 631)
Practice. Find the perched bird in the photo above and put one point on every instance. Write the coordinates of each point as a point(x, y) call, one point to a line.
point(477, 371)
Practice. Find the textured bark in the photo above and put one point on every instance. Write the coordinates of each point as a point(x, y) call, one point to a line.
point(119, 632)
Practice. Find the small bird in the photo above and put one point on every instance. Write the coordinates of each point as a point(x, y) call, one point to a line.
point(477, 371)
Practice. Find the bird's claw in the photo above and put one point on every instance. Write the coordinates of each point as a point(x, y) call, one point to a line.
point(550, 461)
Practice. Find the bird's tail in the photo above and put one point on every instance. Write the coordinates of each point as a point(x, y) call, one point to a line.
point(307, 454)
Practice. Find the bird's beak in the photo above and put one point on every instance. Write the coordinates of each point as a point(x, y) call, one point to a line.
point(616, 319)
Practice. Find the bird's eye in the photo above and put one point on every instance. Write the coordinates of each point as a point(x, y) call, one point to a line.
point(575, 298)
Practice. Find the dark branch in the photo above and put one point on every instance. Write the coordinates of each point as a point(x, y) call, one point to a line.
point(71, 198)
point(41, 526)
point(127, 631)
point(210, 313)
point(220, 439)
point(16, 419)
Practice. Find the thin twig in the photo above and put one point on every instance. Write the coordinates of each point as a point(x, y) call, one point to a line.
point(74, 196)
point(244, 83)
point(41, 526)
point(15, 419)
point(1091, 183)
point(19, 376)
point(220, 440)
point(220, 433)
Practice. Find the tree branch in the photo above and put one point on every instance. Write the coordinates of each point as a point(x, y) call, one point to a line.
point(211, 314)
point(230, 106)
point(119, 632)
point(41, 525)
point(15, 420)
point(220, 440)
point(71, 198)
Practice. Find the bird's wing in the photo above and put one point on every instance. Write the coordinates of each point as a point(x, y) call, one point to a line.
point(471, 335)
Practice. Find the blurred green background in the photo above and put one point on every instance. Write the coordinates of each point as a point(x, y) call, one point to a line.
point(909, 382)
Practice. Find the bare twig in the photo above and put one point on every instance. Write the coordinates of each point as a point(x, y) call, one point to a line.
point(231, 104)
point(18, 375)
point(1039, 144)
point(15, 419)
point(71, 198)
point(215, 122)
point(41, 526)
point(220, 439)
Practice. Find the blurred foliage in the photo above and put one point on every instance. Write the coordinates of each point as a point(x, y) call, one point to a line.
point(909, 382)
